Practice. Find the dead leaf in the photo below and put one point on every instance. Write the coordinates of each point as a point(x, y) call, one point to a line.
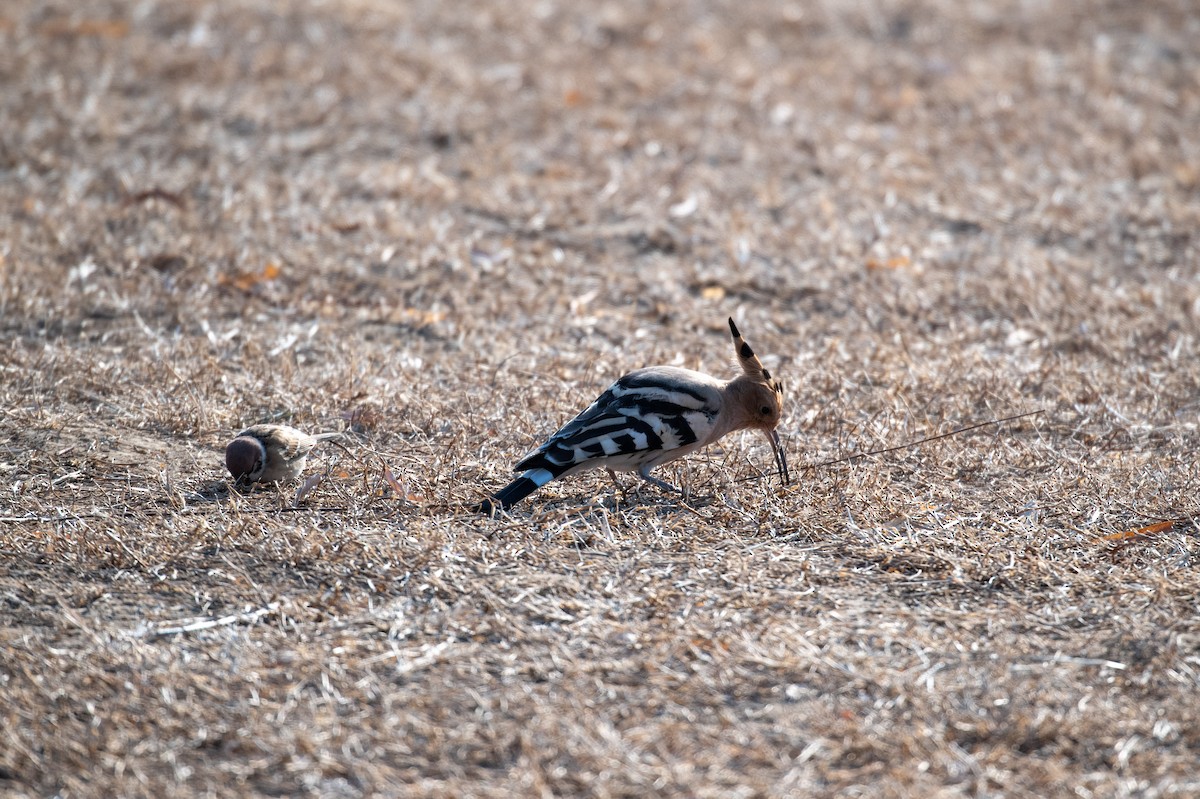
point(155, 193)
point(401, 489)
point(895, 262)
point(362, 417)
point(393, 482)
point(247, 282)
point(418, 317)
point(309, 484)
point(1149, 529)
point(102, 28)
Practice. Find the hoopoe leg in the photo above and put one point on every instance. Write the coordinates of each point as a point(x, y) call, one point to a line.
point(616, 483)
point(613, 476)
point(644, 473)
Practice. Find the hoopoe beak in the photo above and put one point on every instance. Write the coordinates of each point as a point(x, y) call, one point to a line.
point(780, 456)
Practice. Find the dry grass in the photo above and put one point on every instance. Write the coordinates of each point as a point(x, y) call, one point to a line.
point(446, 226)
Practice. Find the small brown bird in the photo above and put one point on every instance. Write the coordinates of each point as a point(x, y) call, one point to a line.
point(653, 416)
point(270, 453)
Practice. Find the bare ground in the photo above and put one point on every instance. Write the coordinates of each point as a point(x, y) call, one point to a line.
point(445, 227)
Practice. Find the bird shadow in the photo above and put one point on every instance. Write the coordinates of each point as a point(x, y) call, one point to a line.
point(214, 491)
point(223, 490)
point(650, 500)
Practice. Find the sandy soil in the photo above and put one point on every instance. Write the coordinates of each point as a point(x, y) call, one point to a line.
point(446, 227)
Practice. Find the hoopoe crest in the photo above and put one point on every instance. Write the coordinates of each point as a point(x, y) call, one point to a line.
point(653, 416)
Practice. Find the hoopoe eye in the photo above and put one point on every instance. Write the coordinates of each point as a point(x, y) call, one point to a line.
point(765, 410)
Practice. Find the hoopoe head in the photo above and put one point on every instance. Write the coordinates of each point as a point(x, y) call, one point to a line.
point(763, 393)
point(760, 397)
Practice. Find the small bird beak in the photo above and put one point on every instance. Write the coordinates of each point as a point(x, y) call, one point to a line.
point(780, 456)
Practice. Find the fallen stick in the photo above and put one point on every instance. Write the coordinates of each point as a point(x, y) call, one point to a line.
point(208, 624)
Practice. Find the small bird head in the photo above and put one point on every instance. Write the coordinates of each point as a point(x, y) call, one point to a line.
point(761, 396)
point(246, 459)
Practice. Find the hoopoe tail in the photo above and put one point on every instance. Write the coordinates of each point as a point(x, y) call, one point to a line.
point(515, 491)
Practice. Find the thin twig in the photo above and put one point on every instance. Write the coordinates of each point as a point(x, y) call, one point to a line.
point(916, 443)
point(208, 624)
point(926, 440)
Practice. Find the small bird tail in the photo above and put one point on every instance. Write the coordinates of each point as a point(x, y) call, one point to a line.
point(327, 436)
point(515, 491)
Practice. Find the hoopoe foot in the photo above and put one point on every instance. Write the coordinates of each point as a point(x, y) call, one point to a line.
point(618, 488)
point(663, 484)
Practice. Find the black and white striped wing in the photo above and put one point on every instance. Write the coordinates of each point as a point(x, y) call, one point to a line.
point(641, 418)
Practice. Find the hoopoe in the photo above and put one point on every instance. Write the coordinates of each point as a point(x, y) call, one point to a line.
point(270, 453)
point(653, 416)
